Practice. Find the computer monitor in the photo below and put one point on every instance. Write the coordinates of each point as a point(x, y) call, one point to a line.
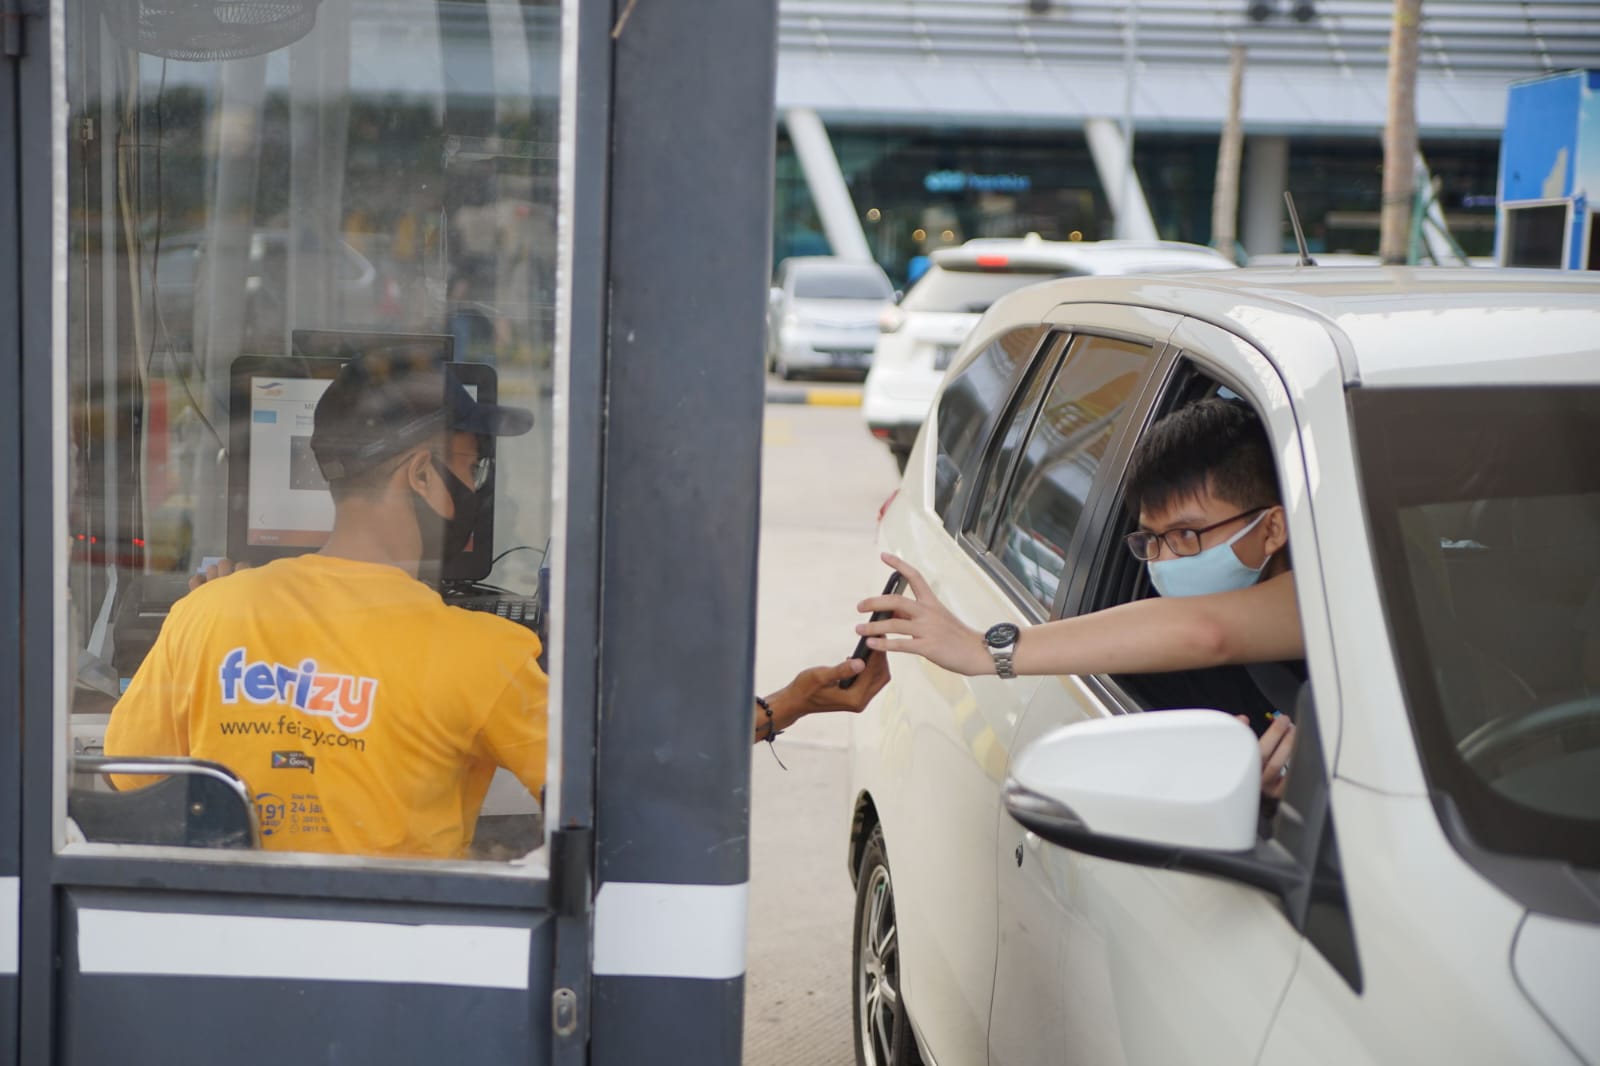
point(278, 502)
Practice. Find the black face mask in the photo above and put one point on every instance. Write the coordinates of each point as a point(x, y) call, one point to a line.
point(444, 539)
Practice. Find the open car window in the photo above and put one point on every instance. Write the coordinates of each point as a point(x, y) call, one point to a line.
point(1120, 578)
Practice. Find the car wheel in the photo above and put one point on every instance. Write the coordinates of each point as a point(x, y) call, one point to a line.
point(783, 370)
point(883, 1030)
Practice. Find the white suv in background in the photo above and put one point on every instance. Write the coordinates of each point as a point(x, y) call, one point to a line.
point(922, 333)
point(1052, 869)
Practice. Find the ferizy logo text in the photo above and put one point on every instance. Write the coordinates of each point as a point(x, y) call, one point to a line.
point(346, 699)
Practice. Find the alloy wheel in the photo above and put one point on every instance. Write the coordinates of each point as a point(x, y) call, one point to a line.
point(878, 973)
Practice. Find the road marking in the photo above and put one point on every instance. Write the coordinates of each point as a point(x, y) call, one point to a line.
point(816, 397)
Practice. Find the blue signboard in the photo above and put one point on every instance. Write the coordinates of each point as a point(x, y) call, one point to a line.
point(1549, 167)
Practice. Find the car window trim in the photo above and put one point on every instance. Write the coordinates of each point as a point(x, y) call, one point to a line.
point(961, 509)
point(954, 516)
point(1045, 362)
point(1062, 341)
point(982, 551)
point(1108, 478)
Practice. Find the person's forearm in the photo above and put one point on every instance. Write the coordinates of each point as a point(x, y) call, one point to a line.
point(785, 713)
point(1126, 639)
point(1260, 624)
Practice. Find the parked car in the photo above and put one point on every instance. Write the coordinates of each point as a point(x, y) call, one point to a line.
point(919, 337)
point(822, 315)
point(1045, 872)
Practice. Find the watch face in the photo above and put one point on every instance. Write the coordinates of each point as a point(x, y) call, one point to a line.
point(1001, 634)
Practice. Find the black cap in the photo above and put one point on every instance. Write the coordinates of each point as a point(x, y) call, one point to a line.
point(382, 403)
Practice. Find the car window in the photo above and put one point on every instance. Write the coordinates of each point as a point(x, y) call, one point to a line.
point(841, 283)
point(1485, 510)
point(967, 291)
point(996, 472)
point(1088, 403)
point(969, 403)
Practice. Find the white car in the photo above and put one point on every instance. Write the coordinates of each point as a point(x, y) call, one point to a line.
point(920, 335)
point(1045, 873)
point(822, 315)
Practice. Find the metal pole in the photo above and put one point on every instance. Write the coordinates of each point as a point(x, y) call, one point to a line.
point(1130, 49)
point(680, 509)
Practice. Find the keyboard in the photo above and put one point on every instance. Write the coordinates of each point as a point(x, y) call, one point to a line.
point(523, 610)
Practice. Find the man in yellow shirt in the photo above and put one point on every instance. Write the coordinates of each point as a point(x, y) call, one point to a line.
point(365, 715)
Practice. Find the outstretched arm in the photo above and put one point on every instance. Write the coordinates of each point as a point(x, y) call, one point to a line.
point(1257, 624)
point(816, 691)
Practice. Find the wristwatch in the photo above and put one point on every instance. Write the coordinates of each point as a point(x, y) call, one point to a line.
point(1001, 640)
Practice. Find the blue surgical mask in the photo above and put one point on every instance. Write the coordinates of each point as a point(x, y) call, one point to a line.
point(1216, 569)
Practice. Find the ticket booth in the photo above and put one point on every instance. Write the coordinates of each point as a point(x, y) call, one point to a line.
point(206, 210)
point(1550, 173)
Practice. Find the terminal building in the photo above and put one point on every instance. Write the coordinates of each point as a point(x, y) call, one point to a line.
point(908, 125)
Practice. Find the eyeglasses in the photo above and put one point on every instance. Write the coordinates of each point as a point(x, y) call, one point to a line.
point(1146, 546)
point(481, 468)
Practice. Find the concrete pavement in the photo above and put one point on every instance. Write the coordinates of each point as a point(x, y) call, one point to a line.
point(823, 481)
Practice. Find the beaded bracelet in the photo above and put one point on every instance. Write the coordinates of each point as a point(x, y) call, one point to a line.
point(772, 731)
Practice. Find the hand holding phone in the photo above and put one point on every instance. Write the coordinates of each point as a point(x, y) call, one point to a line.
point(895, 585)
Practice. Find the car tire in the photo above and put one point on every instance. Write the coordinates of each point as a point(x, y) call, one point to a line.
point(784, 370)
point(882, 1027)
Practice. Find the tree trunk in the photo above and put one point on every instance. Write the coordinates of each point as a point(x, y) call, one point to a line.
point(1400, 134)
point(1225, 198)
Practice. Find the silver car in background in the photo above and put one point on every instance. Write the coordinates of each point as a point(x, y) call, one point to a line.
point(823, 315)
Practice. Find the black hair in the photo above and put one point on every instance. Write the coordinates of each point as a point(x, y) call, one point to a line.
point(1213, 444)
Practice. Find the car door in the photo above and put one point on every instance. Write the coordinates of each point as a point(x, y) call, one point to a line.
point(1120, 963)
point(1019, 532)
point(945, 736)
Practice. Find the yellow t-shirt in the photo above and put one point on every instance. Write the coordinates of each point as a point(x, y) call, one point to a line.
point(365, 716)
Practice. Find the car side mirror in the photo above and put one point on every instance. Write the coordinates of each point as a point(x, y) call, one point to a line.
point(1169, 789)
point(1187, 779)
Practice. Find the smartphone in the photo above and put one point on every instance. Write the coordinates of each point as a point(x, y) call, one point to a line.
point(896, 583)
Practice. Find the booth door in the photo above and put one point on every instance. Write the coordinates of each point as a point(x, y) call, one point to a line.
point(187, 195)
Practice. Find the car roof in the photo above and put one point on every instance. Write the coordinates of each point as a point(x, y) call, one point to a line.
point(1090, 257)
point(1392, 325)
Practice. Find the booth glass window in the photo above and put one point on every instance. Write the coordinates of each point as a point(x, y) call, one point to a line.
point(311, 258)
